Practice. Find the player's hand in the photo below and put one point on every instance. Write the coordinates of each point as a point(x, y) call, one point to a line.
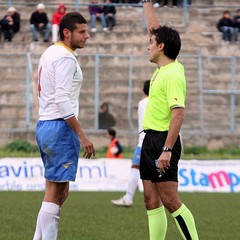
point(87, 146)
point(164, 161)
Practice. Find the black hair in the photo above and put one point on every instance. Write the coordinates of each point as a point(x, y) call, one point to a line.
point(146, 86)
point(226, 12)
point(105, 104)
point(112, 132)
point(171, 39)
point(69, 22)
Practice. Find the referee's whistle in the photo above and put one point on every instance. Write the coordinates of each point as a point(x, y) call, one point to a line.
point(160, 172)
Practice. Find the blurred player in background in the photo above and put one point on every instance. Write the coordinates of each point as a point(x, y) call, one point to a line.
point(114, 148)
point(58, 132)
point(127, 199)
point(162, 122)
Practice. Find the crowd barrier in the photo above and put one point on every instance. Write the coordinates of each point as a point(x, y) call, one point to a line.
point(27, 174)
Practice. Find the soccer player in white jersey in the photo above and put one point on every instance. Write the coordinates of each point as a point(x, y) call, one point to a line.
point(127, 199)
point(59, 133)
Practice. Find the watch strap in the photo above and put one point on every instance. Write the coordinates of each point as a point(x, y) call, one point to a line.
point(166, 149)
point(145, 1)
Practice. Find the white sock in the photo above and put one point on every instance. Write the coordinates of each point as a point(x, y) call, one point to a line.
point(132, 185)
point(38, 230)
point(47, 222)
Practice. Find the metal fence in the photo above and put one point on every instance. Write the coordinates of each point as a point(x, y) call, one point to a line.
point(213, 88)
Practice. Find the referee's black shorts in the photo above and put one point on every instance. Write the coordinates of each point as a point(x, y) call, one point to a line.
point(151, 150)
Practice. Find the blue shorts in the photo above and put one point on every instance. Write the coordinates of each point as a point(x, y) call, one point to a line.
point(59, 147)
point(136, 156)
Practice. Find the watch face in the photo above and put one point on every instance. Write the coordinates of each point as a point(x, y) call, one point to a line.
point(167, 149)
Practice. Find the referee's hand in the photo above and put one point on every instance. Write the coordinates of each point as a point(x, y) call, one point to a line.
point(164, 161)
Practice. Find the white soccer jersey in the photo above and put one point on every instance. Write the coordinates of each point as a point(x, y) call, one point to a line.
point(59, 83)
point(141, 110)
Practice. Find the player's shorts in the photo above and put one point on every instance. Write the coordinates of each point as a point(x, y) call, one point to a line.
point(59, 147)
point(151, 150)
point(136, 156)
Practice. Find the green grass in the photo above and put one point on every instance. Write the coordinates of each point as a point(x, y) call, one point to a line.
point(90, 216)
point(22, 148)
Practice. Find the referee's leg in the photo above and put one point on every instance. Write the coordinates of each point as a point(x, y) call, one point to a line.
point(182, 215)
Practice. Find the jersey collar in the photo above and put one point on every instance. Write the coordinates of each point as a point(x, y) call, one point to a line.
point(61, 44)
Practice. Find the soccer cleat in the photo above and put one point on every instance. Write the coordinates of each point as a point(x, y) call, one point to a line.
point(121, 203)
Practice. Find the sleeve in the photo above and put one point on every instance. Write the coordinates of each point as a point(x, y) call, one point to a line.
point(99, 9)
point(54, 21)
point(105, 10)
point(234, 21)
point(119, 147)
point(16, 24)
point(45, 19)
point(91, 10)
point(65, 69)
point(32, 19)
point(175, 92)
point(4, 21)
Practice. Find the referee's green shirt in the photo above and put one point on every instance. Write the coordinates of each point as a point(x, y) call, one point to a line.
point(167, 91)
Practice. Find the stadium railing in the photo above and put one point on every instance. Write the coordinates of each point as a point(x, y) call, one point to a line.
point(213, 92)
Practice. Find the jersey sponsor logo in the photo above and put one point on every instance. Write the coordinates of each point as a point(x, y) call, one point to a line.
point(66, 165)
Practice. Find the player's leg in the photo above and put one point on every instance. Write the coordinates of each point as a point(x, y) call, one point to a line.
point(157, 220)
point(134, 175)
point(48, 217)
point(183, 217)
point(127, 199)
point(132, 183)
point(59, 148)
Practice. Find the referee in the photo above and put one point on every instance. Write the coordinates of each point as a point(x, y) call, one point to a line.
point(162, 122)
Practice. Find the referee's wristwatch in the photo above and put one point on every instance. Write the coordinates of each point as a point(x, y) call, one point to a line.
point(166, 149)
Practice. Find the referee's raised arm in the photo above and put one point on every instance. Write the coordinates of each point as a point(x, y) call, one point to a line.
point(150, 15)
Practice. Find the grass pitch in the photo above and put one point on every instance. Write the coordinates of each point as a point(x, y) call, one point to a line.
point(90, 216)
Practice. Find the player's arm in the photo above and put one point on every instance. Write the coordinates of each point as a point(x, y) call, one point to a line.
point(65, 70)
point(150, 15)
point(84, 140)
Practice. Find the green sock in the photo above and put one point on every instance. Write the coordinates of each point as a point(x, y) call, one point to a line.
point(157, 223)
point(185, 223)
